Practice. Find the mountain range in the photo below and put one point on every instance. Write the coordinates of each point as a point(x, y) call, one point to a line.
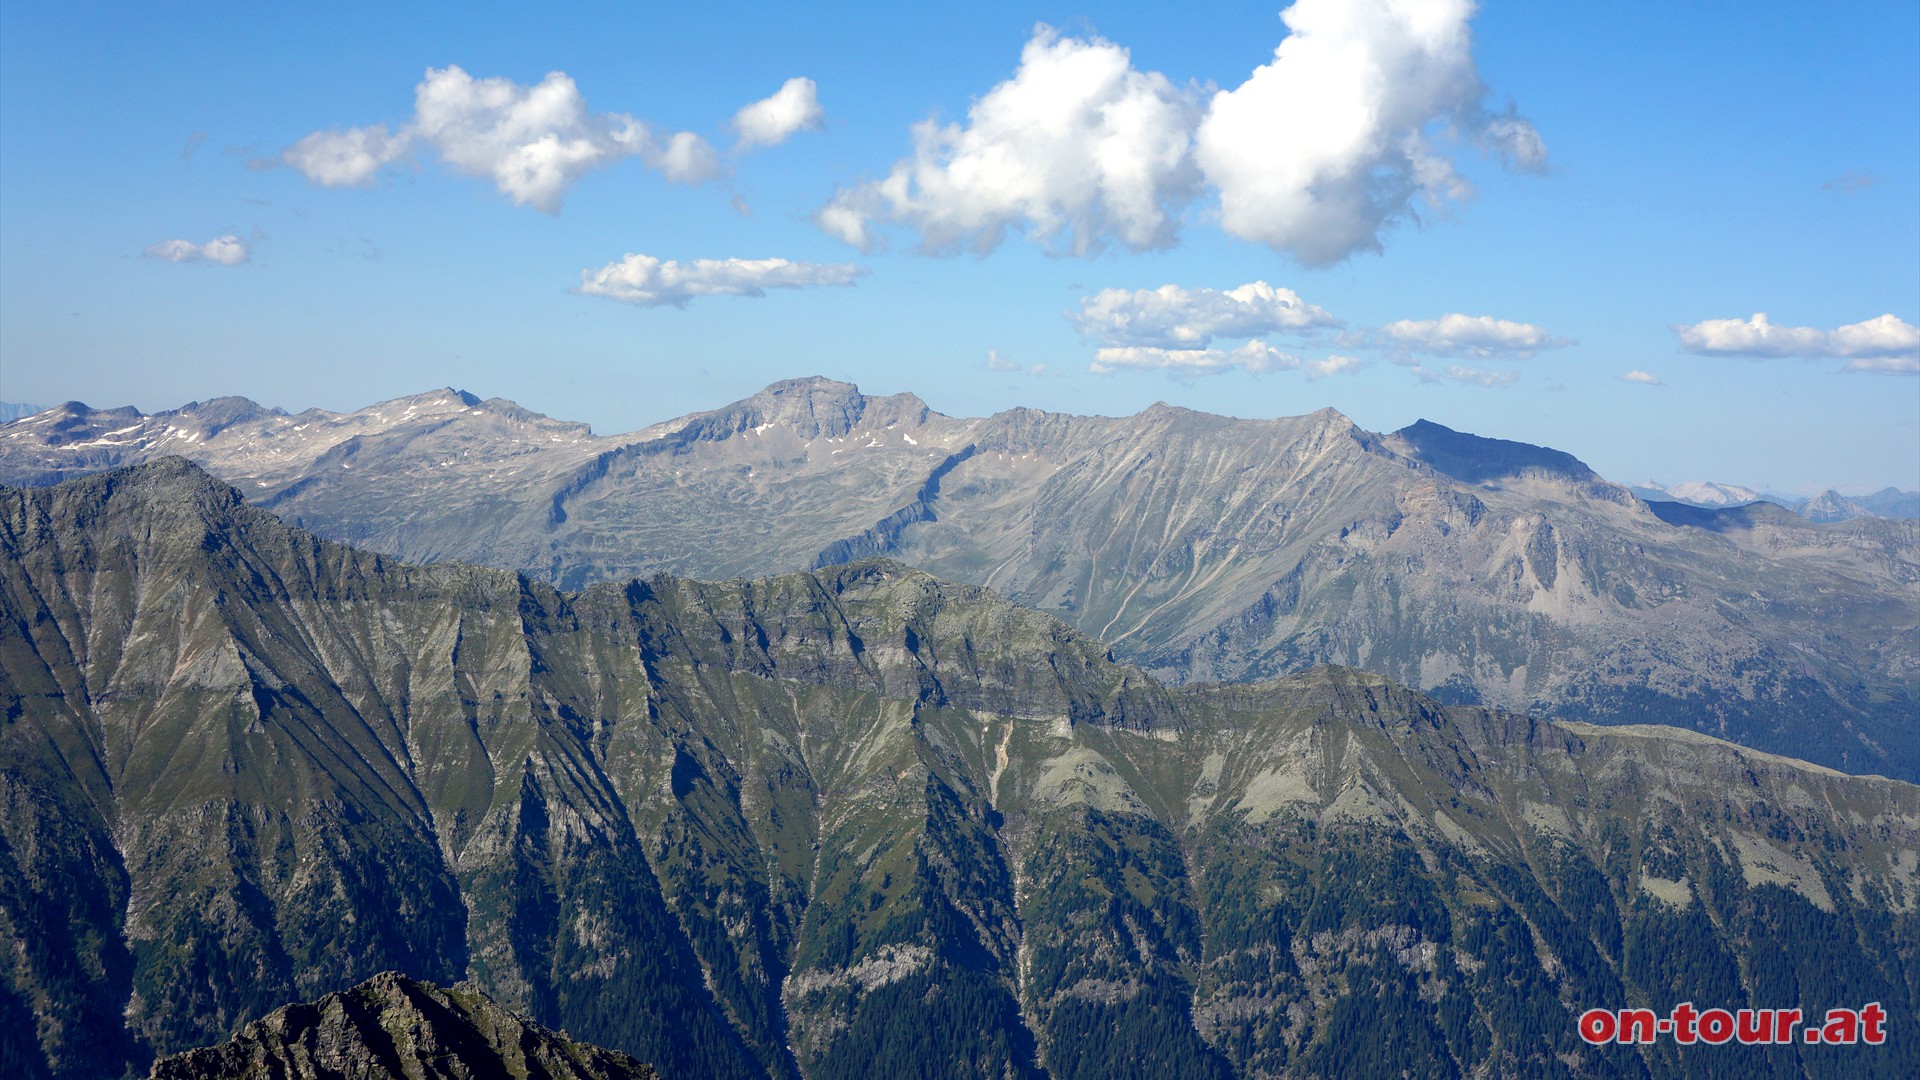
point(858, 821)
point(1202, 548)
point(1829, 505)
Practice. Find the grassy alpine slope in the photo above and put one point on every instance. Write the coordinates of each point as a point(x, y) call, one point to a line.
point(855, 821)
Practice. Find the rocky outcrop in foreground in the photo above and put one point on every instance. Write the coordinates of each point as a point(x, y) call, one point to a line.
point(393, 1026)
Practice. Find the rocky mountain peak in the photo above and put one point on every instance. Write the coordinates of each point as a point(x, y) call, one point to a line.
point(812, 408)
point(1830, 505)
point(1479, 460)
point(215, 415)
point(392, 1025)
point(167, 497)
point(72, 422)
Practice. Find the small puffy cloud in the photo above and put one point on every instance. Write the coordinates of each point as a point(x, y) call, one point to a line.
point(1516, 140)
point(1336, 137)
point(767, 122)
point(350, 158)
point(1467, 376)
point(1479, 336)
point(651, 282)
point(1174, 317)
point(1173, 328)
point(1641, 377)
point(1883, 345)
point(532, 142)
point(685, 158)
point(846, 222)
point(1332, 365)
point(222, 251)
point(1254, 356)
point(1077, 149)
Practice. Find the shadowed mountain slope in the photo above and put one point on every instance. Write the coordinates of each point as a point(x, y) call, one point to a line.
point(854, 822)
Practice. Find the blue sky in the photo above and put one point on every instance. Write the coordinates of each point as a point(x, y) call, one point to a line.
point(1588, 191)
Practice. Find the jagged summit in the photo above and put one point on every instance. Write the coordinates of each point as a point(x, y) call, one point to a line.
point(811, 408)
point(392, 1025)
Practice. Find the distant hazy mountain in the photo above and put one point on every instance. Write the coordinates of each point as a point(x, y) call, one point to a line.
point(855, 822)
point(393, 1026)
point(1887, 502)
point(1830, 505)
point(11, 411)
point(1890, 502)
point(1202, 547)
point(1699, 493)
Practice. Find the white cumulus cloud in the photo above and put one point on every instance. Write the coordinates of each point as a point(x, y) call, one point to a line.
point(1642, 377)
point(794, 107)
point(1077, 149)
point(1175, 317)
point(222, 250)
point(651, 282)
point(1887, 344)
point(1479, 336)
point(1354, 121)
point(532, 142)
point(1343, 130)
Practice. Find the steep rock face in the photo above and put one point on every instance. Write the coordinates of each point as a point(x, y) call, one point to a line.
point(284, 766)
point(1202, 547)
point(394, 1026)
point(854, 822)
